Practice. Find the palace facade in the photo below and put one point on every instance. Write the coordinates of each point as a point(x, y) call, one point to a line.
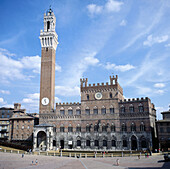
point(103, 120)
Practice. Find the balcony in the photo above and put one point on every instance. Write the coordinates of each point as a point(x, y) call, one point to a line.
point(3, 130)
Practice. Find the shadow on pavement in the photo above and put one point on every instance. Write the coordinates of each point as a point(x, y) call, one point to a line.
point(165, 166)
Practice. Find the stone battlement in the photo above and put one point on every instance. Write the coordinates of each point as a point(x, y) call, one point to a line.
point(68, 104)
point(134, 99)
point(113, 81)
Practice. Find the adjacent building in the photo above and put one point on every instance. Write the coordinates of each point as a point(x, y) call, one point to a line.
point(163, 128)
point(103, 120)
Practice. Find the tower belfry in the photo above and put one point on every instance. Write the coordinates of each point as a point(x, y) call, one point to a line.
point(49, 40)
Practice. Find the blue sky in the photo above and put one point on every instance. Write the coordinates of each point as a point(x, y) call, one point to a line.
point(97, 38)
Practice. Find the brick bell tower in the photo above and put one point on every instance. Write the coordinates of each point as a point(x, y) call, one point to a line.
point(49, 41)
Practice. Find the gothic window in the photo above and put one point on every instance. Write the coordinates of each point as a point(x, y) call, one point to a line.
point(133, 127)
point(87, 97)
point(104, 143)
point(87, 128)
point(110, 95)
point(113, 143)
point(70, 112)
point(124, 127)
point(124, 143)
point(140, 107)
point(142, 127)
point(96, 143)
point(78, 128)
point(70, 128)
point(87, 111)
point(62, 129)
point(104, 128)
point(62, 112)
point(111, 110)
point(78, 112)
point(95, 111)
point(113, 128)
point(96, 128)
point(122, 109)
point(78, 143)
point(131, 108)
point(88, 143)
point(103, 110)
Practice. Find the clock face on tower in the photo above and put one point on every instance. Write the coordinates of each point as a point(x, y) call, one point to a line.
point(98, 95)
point(45, 101)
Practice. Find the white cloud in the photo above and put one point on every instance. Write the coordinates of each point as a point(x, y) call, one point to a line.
point(58, 68)
point(1, 100)
point(167, 45)
point(159, 85)
point(121, 68)
point(113, 6)
point(123, 23)
point(110, 6)
point(152, 40)
point(57, 100)
point(5, 91)
point(11, 69)
point(94, 9)
point(31, 62)
point(159, 91)
point(32, 100)
point(67, 91)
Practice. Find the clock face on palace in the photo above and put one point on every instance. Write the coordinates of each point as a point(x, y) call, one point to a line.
point(45, 101)
point(98, 95)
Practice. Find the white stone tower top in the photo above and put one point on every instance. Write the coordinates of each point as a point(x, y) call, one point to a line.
point(48, 37)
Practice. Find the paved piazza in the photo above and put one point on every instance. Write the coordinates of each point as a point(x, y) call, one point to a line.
point(15, 161)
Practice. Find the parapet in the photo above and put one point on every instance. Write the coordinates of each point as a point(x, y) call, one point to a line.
point(113, 81)
point(134, 99)
point(68, 104)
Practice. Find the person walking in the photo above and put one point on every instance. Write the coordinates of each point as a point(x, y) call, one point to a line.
point(36, 162)
point(117, 162)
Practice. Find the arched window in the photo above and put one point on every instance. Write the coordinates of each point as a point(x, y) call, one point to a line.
point(124, 143)
point(133, 127)
point(88, 143)
point(70, 128)
point(78, 143)
point(103, 110)
point(87, 96)
point(104, 143)
point(140, 107)
point(96, 128)
point(113, 143)
point(78, 128)
point(62, 128)
point(131, 108)
point(78, 111)
point(113, 127)
point(70, 111)
point(95, 110)
point(111, 110)
point(87, 111)
point(96, 143)
point(122, 109)
point(62, 112)
point(48, 25)
point(142, 127)
point(124, 127)
point(111, 95)
point(104, 128)
point(87, 128)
